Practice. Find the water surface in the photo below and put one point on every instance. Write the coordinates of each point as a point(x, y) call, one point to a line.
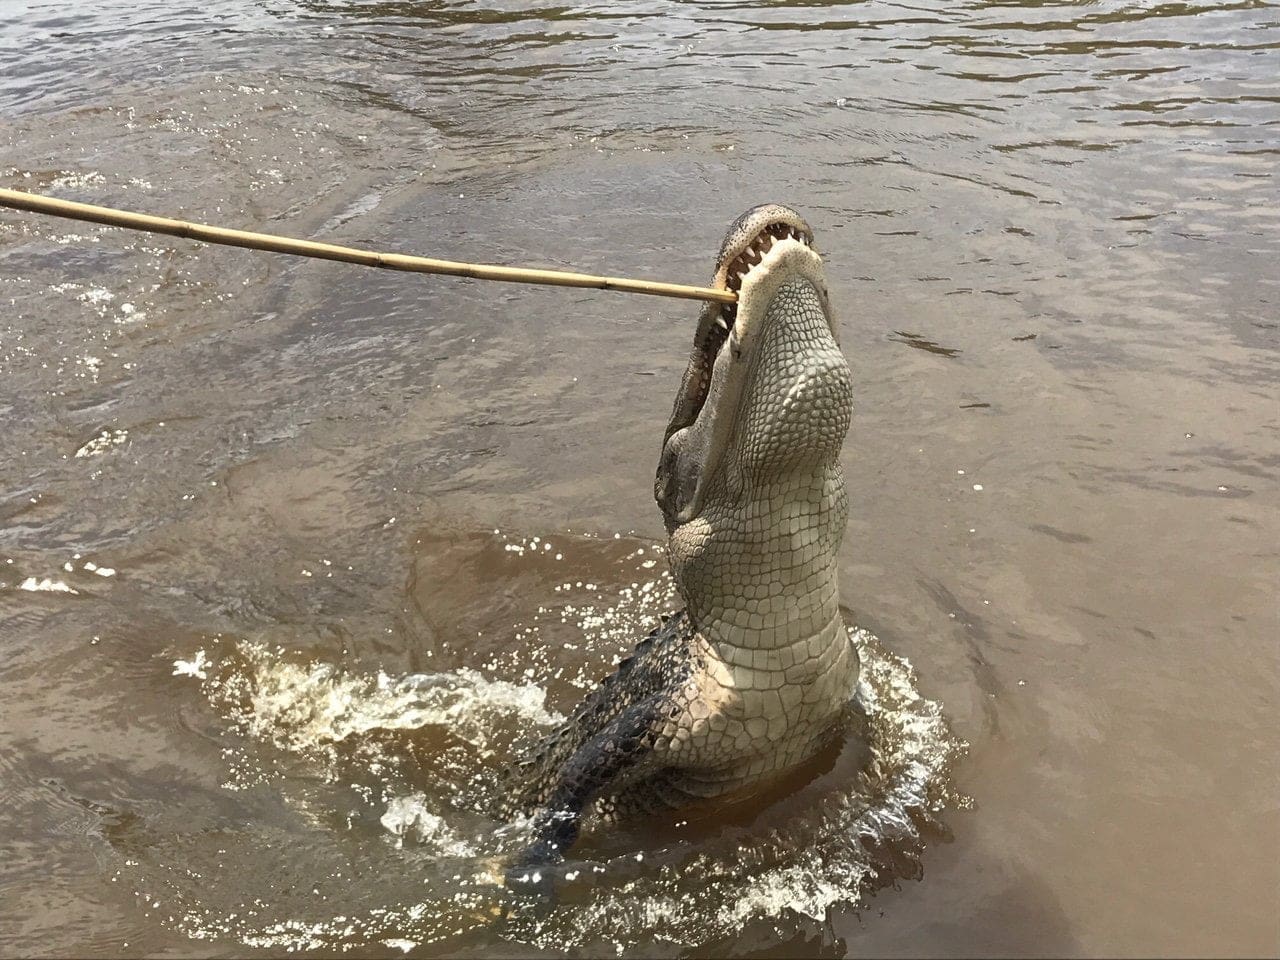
point(291, 552)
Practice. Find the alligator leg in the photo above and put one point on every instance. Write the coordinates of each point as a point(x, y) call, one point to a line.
point(621, 746)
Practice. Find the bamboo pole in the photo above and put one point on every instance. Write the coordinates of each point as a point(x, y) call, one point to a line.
point(34, 203)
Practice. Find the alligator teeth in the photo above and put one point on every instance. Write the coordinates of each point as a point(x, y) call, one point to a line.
point(723, 326)
point(765, 241)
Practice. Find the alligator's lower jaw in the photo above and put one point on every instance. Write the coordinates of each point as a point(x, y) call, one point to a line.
point(732, 346)
point(721, 328)
point(751, 260)
point(717, 320)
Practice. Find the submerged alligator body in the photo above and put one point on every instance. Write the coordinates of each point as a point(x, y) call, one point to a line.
point(751, 678)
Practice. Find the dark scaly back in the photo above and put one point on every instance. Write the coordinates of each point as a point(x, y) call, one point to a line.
point(661, 662)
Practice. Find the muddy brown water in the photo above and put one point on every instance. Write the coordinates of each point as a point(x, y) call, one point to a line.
point(291, 553)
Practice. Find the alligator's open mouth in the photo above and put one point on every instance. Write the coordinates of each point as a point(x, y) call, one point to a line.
point(766, 249)
point(737, 261)
point(732, 274)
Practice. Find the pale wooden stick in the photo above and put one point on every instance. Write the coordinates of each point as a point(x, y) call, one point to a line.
point(327, 251)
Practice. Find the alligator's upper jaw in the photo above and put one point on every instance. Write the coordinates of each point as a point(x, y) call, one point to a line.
point(779, 261)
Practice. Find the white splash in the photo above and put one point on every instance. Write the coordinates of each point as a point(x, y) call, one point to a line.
point(45, 585)
point(412, 817)
point(195, 667)
point(103, 442)
point(96, 295)
point(76, 180)
point(299, 706)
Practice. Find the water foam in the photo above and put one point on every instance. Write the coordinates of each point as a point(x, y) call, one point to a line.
point(413, 817)
point(305, 707)
point(859, 835)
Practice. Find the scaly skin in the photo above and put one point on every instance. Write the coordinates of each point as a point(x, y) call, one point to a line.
point(752, 677)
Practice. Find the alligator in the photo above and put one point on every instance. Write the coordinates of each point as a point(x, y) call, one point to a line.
point(752, 677)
